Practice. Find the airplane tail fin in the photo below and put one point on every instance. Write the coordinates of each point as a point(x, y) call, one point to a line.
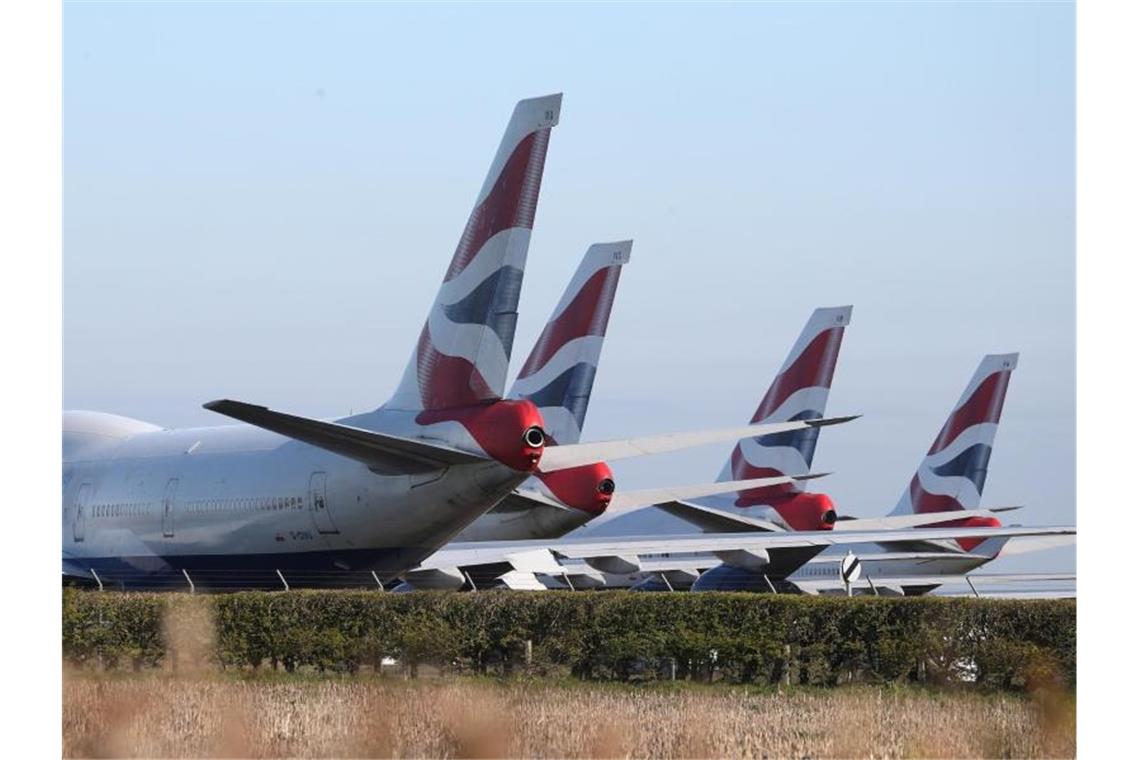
point(799, 392)
point(953, 473)
point(558, 376)
point(463, 351)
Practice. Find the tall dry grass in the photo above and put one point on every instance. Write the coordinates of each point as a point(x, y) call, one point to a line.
point(190, 709)
point(212, 716)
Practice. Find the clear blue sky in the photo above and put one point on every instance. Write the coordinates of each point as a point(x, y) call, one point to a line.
point(260, 201)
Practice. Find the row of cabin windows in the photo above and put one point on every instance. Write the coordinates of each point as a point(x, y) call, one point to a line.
point(204, 506)
point(828, 569)
point(263, 504)
point(121, 510)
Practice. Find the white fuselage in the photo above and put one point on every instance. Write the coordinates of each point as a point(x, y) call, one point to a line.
point(140, 501)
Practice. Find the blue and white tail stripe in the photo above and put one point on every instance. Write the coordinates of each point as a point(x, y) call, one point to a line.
point(464, 349)
point(952, 475)
point(798, 392)
point(558, 376)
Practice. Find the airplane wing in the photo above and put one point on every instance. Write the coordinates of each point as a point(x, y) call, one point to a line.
point(1028, 544)
point(366, 446)
point(714, 520)
point(627, 501)
point(979, 579)
point(896, 583)
point(892, 522)
point(795, 546)
point(577, 454)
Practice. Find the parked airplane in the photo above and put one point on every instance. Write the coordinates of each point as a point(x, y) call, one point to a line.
point(798, 392)
point(948, 481)
point(378, 491)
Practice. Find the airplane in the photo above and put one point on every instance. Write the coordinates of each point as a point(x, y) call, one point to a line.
point(799, 391)
point(955, 465)
point(947, 486)
point(283, 496)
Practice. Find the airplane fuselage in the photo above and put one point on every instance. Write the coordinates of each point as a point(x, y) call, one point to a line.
point(237, 499)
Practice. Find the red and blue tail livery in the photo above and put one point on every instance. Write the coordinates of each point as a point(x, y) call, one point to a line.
point(558, 376)
point(464, 348)
point(798, 392)
point(953, 473)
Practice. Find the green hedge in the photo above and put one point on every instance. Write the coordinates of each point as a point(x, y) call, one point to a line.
point(747, 638)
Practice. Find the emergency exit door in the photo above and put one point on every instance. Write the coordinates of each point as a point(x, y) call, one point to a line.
point(319, 505)
point(79, 519)
point(168, 507)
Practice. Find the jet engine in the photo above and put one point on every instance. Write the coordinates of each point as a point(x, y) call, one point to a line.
point(588, 488)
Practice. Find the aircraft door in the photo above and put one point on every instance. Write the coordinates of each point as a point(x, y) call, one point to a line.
point(79, 519)
point(168, 507)
point(319, 505)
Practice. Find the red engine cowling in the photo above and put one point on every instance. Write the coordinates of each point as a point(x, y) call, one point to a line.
point(968, 522)
point(807, 511)
point(588, 488)
point(507, 430)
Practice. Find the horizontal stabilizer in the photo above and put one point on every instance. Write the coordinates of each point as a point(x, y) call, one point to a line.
point(626, 501)
point(578, 454)
point(712, 520)
point(893, 522)
point(1030, 544)
point(366, 446)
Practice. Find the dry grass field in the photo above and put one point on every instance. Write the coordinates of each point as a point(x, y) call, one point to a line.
point(157, 715)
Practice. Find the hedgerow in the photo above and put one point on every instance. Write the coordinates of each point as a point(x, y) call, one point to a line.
point(747, 638)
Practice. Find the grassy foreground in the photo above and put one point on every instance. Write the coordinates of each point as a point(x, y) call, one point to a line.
point(156, 715)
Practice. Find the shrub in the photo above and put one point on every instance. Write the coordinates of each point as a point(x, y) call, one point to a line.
point(745, 638)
